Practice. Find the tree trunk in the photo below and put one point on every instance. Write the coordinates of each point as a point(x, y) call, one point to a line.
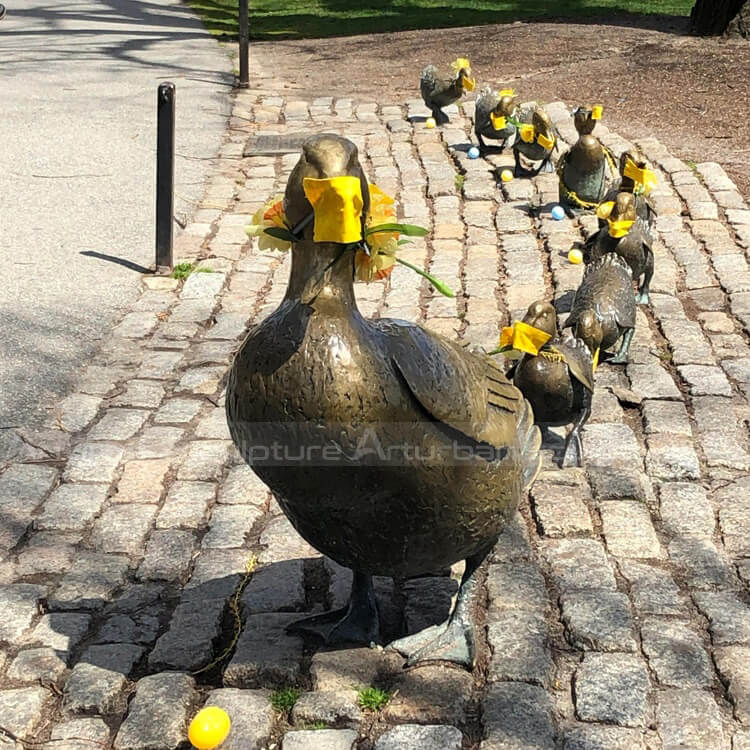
point(710, 17)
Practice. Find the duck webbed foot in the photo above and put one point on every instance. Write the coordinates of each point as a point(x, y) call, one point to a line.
point(358, 622)
point(452, 640)
point(621, 358)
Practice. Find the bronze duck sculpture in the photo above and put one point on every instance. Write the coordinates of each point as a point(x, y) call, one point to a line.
point(556, 378)
point(603, 310)
point(400, 452)
point(441, 89)
point(627, 234)
point(535, 143)
point(493, 114)
point(636, 177)
point(584, 170)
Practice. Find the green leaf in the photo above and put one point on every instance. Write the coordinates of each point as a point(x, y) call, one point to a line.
point(280, 233)
point(411, 230)
point(404, 242)
point(439, 285)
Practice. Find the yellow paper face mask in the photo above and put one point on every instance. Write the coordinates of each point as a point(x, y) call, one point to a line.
point(644, 177)
point(527, 133)
point(545, 142)
point(595, 361)
point(603, 210)
point(596, 112)
point(337, 204)
point(506, 92)
point(619, 228)
point(523, 338)
point(498, 121)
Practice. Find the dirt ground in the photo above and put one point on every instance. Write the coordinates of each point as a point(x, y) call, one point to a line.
point(653, 79)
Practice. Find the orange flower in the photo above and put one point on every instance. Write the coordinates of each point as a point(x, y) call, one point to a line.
point(271, 214)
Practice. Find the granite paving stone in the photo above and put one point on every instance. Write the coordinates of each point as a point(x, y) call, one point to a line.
point(157, 715)
point(98, 680)
point(598, 620)
point(71, 507)
point(516, 717)
point(675, 654)
point(251, 715)
point(319, 739)
point(22, 710)
point(20, 604)
point(689, 719)
point(612, 688)
point(410, 736)
point(733, 663)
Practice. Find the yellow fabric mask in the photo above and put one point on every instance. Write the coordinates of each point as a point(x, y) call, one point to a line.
point(595, 360)
point(545, 142)
point(337, 204)
point(596, 112)
point(498, 121)
point(603, 210)
point(644, 177)
point(506, 92)
point(527, 133)
point(619, 228)
point(523, 337)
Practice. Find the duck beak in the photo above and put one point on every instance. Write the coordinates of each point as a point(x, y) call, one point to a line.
point(337, 204)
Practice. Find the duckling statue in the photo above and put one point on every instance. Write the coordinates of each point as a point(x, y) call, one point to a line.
point(626, 234)
point(535, 143)
point(493, 112)
point(586, 169)
point(391, 449)
point(636, 177)
point(441, 89)
point(556, 378)
point(603, 310)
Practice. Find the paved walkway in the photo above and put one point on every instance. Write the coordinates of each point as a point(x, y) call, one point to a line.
point(77, 167)
point(617, 606)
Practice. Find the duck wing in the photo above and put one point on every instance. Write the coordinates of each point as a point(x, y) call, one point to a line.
point(467, 392)
point(578, 358)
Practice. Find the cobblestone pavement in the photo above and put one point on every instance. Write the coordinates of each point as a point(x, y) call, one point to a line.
point(617, 605)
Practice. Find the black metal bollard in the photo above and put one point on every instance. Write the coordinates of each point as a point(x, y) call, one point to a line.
point(244, 45)
point(164, 177)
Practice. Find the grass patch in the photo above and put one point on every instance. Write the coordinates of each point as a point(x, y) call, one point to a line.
point(284, 700)
point(184, 269)
point(270, 19)
point(315, 725)
point(373, 699)
point(459, 181)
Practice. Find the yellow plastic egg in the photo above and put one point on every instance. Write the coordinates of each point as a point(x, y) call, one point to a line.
point(506, 175)
point(209, 728)
point(575, 256)
point(430, 122)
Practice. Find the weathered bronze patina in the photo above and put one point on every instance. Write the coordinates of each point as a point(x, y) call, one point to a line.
point(536, 141)
point(584, 171)
point(603, 310)
point(644, 207)
point(492, 113)
point(396, 452)
point(634, 246)
point(439, 89)
point(558, 381)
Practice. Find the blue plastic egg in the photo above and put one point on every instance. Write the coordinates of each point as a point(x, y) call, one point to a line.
point(557, 213)
point(473, 152)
